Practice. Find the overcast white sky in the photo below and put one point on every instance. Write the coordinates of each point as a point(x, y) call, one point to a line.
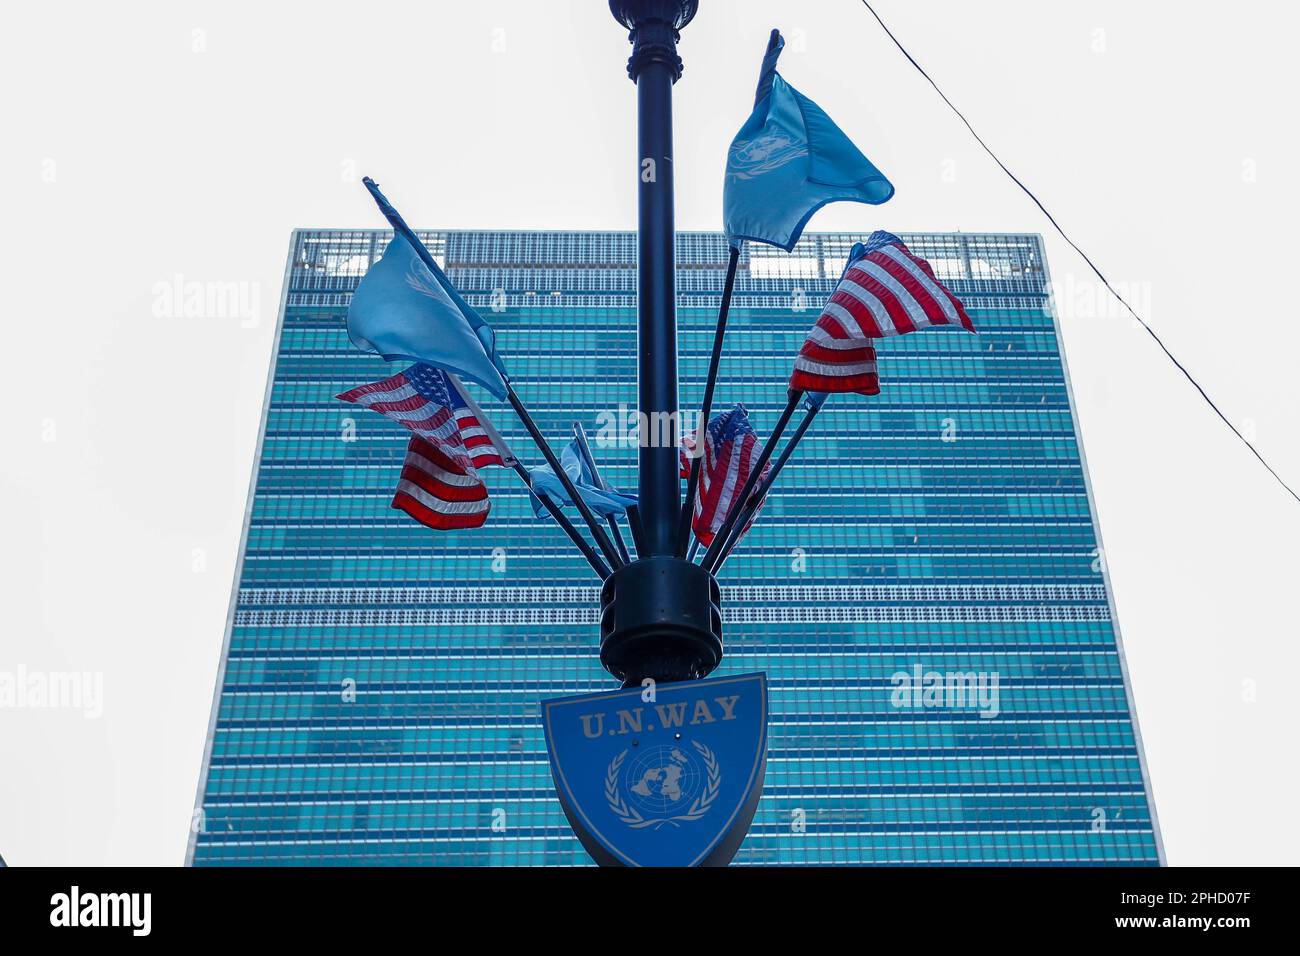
point(188, 139)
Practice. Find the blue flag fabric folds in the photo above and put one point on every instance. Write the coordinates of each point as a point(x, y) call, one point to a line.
point(603, 502)
point(405, 311)
point(789, 160)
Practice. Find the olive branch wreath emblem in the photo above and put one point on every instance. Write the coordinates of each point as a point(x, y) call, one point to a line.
point(700, 806)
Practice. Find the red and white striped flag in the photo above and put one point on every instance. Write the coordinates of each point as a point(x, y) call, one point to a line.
point(434, 405)
point(438, 491)
point(439, 485)
point(730, 449)
point(418, 398)
point(885, 290)
point(483, 442)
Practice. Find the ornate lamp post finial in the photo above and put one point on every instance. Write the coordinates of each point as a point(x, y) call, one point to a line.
point(655, 27)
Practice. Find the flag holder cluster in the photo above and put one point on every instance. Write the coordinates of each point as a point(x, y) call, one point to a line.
point(660, 614)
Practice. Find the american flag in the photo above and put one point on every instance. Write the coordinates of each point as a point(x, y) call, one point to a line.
point(421, 398)
point(730, 449)
point(438, 491)
point(484, 445)
point(439, 485)
point(884, 291)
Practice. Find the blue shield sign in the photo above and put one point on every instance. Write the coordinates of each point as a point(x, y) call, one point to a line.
point(664, 779)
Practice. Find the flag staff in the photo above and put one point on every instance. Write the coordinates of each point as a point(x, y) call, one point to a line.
point(602, 540)
point(580, 434)
point(719, 539)
point(638, 532)
point(715, 359)
point(767, 485)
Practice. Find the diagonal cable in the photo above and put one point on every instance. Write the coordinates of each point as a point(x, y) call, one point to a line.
point(1091, 265)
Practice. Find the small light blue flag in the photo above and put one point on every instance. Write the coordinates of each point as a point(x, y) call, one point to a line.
point(407, 312)
point(604, 502)
point(789, 160)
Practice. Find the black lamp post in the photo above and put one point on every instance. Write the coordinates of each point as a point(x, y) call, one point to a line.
point(659, 614)
point(655, 66)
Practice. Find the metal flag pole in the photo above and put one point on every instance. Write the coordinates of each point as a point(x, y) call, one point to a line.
point(399, 225)
point(777, 465)
point(715, 359)
point(580, 434)
point(774, 43)
point(715, 549)
point(638, 532)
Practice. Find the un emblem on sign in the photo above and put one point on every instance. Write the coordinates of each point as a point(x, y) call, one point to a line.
point(672, 781)
point(665, 782)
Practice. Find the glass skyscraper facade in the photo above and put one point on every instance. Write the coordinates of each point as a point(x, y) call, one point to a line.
point(925, 588)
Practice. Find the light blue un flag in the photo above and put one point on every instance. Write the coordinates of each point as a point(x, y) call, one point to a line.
point(406, 312)
point(604, 502)
point(789, 160)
